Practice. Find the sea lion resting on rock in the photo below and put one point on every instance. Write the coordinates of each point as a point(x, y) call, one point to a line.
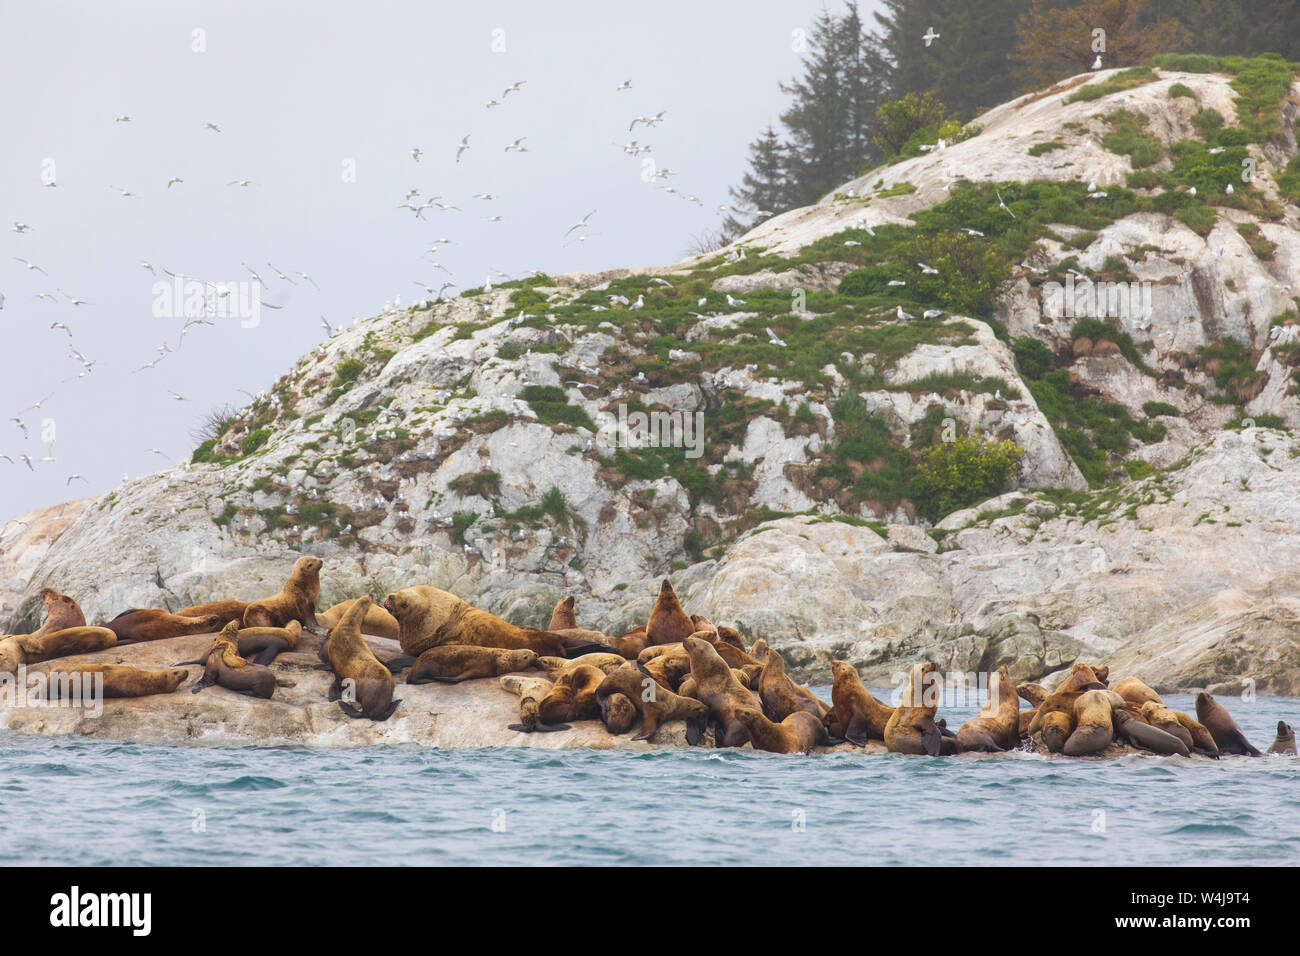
point(296, 601)
point(224, 667)
point(19, 649)
point(1158, 715)
point(452, 663)
point(798, 733)
point(572, 695)
point(855, 714)
point(262, 645)
point(138, 625)
point(1227, 735)
point(1135, 692)
point(358, 674)
point(1056, 728)
point(564, 622)
point(119, 680)
point(717, 686)
point(1094, 728)
point(428, 617)
point(1143, 735)
point(378, 622)
point(61, 613)
point(652, 701)
point(530, 690)
point(555, 666)
point(781, 696)
point(911, 728)
point(226, 611)
point(997, 726)
point(1082, 679)
point(668, 623)
point(1284, 743)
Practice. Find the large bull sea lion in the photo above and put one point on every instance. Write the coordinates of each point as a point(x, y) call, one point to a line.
point(1227, 735)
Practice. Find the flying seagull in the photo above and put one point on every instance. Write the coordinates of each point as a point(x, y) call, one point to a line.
point(464, 145)
point(582, 223)
point(626, 85)
point(1002, 205)
point(517, 146)
point(930, 36)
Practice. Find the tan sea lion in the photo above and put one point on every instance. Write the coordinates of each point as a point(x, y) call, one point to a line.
point(1033, 694)
point(668, 623)
point(1024, 718)
point(781, 696)
point(378, 622)
point(358, 674)
point(653, 702)
point(428, 617)
point(1227, 735)
point(1158, 715)
point(137, 625)
point(855, 714)
point(296, 601)
point(798, 733)
point(1056, 729)
point(911, 728)
point(748, 675)
point(1135, 692)
point(718, 688)
point(555, 666)
point(1141, 734)
point(1202, 739)
point(226, 611)
point(565, 615)
point(1284, 742)
point(1094, 728)
point(1082, 678)
point(452, 663)
point(61, 613)
point(262, 645)
point(224, 666)
point(997, 725)
point(19, 649)
point(530, 690)
point(759, 650)
point(119, 680)
point(618, 714)
point(670, 668)
point(572, 695)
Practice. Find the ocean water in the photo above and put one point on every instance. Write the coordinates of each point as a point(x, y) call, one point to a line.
point(73, 801)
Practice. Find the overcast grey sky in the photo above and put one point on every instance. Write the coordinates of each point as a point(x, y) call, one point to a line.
point(303, 93)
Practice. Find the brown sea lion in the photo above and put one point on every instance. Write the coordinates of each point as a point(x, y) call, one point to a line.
point(428, 617)
point(855, 714)
point(718, 688)
point(1227, 735)
point(911, 728)
point(18, 649)
point(1158, 715)
point(453, 663)
point(1141, 734)
point(378, 622)
point(572, 696)
point(1284, 742)
point(618, 714)
point(1082, 679)
point(653, 702)
point(997, 725)
point(61, 613)
point(565, 615)
point(262, 645)
point(555, 666)
point(669, 668)
point(1024, 718)
point(358, 674)
point(1202, 739)
point(1135, 692)
point(798, 733)
point(118, 680)
point(226, 611)
point(730, 653)
point(1094, 727)
point(1033, 694)
point(224, 667)
point(296, 601)
point(781, 696)
point(668, 623)
point(530, 690)
point(137, 625)
point(759, 650)
point(1056, 729)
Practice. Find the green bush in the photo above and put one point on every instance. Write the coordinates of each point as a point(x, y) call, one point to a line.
point(1033, 358)
point(1156, 409)
point(555, 504)
point(1181, 89)
point(959, 473)
point(460, 523)
point(1128, 137)
point(205, 452)
point(1038, 149)
point(347, 372)
point(255, 440)
point(1289, 181)
point(553, 408)
point(897, 120)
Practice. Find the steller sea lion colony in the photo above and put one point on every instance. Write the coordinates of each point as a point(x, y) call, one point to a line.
point(675, 667)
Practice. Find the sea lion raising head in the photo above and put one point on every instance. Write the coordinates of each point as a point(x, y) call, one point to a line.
point(296, 601)
point(1284, 743)
point(1227, 735)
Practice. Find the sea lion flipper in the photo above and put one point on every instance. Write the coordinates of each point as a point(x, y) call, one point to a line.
point(856, 732)
point(200, 686)
point(520, 728)
point(201, 660)
point(932, 739)
point(695, 729)
point(399, 663)
point(387, 713)
point(336, 689)
point(350, 710)
point(549, 728)
point(322, 667)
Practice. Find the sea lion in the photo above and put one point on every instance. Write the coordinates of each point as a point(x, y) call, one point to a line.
point(224, 667)
point(19, 649)
point(781, 696)
point(1202, 739)
point(1135, 692)
point(1094, 728)
point(798, 733)
point(61, 613)
point(618, 714)
point(1082, 679)
point(855, 714)
point(564, 617)
point(296, 601)
point(119, 680)
point(428, 617)
point(733, 655)
point(759, 650)
point(997, 725)
point(652, 701)
point(1145, 736)
point(378, 622)
point(227, 611)
point(452, 663)
point(1033, 694)
point(352, 660)
point(529, 690)
point(1024, 718)
point(670, 668)
point(555, 666)
point(911, 728)
point(1284, 742)
point(1227, 735)
point(572, 695)
point(668, 623)
point(718, 688)
point(137, 625)
point(262, 645)
point(1056, 728)
point(1158, 715)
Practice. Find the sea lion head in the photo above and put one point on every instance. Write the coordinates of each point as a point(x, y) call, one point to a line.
point(176, 676)
point(1284, 731)
point(230, 632)
point(521, 658)
point(11, 655)
point(618, 713)
point(212, 622)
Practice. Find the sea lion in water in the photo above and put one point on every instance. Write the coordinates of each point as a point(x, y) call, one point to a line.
point(911, 728)
point(572, 695)
point(224, 667)
point(1135, 692)
point(529, 690)
point(296, 601)
point(452, 663)
point(668, 623)
point(352, 660)
point(719, 689)
point(1227, 735)
point(119, 680)
point(798, 733)
point(652, 701)
point(997, 725)
point(61, 613)
point(1284, 742)
point(1158, 715)
point(1094, 728)
point(855, 714)
point(1143, 735)
point(137, 625)
point(226, 611)
point(1056, 728)
point(19, 649)
point(378, 622)
point(428, 617)
point(781, 696)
